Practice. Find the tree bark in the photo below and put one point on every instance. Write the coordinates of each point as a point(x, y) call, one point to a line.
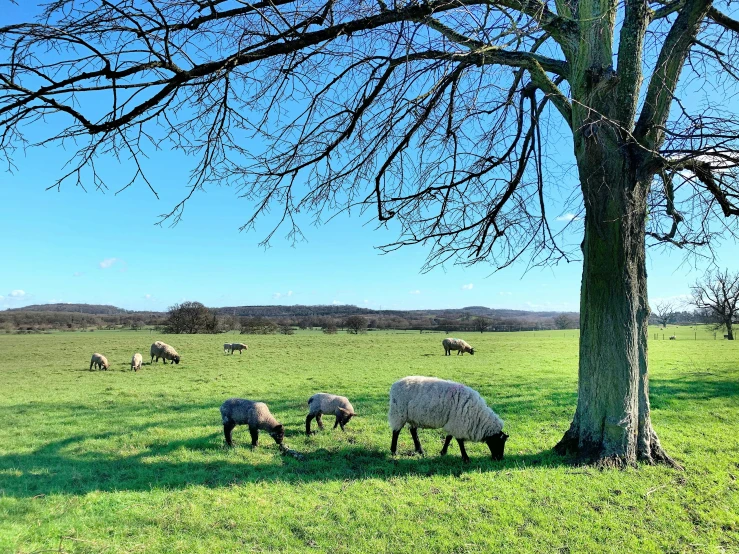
point(612, 425)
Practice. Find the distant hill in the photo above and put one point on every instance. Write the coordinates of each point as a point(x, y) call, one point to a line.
point(94, 309)
point(298, 310)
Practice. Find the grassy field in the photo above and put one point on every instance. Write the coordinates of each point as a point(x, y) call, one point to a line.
point(122, 462)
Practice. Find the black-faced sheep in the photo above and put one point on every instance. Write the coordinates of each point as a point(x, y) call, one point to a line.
point(226, 347)
point(431, 403)
point(136, 361)
point(237, 411)
point(238, 346)
point(459, 345)
point(323, 403)
point(164, 351)
point(99, 361)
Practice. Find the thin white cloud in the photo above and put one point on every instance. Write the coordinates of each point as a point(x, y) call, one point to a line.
point(108, 262)
point(289, 293)
point(568, 217)
point(277, 295)
point(415, 291)
point(335, 302)
point(505, 293)
point(468, 286)
point(366, 301)
point(78, 274)
point(18, 293)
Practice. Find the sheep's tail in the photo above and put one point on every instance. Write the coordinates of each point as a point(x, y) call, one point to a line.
point(311, 399)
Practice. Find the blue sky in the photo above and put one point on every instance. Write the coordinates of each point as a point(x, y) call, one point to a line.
point(95, 247)
point(76, 246)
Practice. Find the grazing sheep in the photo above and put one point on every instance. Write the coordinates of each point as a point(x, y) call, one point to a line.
point(165, 352)
point(323, 403)
point(432, 403)
point(459, 345)
point(100, 361)
point(226, 347)
point(136, 361)
point(237, 411)
point(238, 346)
point(673, 337)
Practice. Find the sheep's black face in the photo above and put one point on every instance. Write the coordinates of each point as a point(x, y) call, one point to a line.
point(176, 359)
point(278, 433)
point(496, 444)
point(472, 351)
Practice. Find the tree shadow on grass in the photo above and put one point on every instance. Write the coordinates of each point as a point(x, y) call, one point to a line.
point(691, 387)
point(67, 467)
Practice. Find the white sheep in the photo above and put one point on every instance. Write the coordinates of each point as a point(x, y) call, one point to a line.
point(673, 337)
point(226, 347)
point(459, 345)
point(100, 361)
point(431, 403)
point(237, 411)
point(324, 403)
point(164, 351)
point(136, 361)
point(238, 346)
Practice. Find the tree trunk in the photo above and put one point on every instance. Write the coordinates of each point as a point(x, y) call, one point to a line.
point(612, 425)
point(729, 330)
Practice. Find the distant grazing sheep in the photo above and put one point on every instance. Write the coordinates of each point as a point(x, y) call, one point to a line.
point(136, 361)
point(431, 403)
point(238, 346)
point(100, 361)
point(323, 403)
point(673, 337)
point(226, 347)
point(237, 411)
point(165, 352)
point(459, 345)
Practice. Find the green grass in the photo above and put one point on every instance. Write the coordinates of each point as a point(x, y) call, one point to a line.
point(122, 462)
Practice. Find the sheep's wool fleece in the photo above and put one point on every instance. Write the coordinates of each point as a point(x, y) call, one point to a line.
point(328, 403)
point(163, 350)
point(247, 412)
point(137, 360)
point(432, 403)
point(455, 344)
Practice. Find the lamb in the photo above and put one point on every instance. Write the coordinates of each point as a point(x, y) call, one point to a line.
point(238, 346)
point(237, 411)
point(226, 347)
point(461, 346)
point(165, 352)
point(323, 403)
point(99, 361)
point(136, 361)
point(432, 403)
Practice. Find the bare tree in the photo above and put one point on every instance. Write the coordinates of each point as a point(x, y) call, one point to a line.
point(356, 324)
point(664, 311)
point(190, 317)
point(427, 113)
point(718, 296)
point(563, 321)
point(481, 324)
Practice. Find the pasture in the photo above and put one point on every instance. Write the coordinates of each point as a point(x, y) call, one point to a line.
point(119, 461)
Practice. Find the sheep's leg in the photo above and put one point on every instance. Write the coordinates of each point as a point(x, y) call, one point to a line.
point(446, 445)
point(341, 424)
point(465, 457)
point(254, 435)
point(416, 442)
point(227, 428)
point(319, 420)
point(307, 424)
point(394, 443)
point(336, 423)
